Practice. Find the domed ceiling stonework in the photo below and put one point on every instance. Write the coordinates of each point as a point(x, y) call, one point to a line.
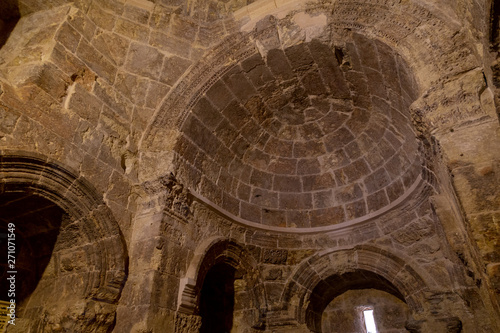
point(307, 136)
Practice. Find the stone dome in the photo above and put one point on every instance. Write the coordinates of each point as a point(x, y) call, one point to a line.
point(307, 136)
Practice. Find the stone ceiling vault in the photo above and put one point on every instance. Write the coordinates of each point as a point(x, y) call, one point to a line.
point(304, 122)
point(308, 136)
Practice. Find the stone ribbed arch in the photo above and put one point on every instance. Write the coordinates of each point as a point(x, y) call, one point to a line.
point(380, 267)
point(210, 252)
point(99, 233)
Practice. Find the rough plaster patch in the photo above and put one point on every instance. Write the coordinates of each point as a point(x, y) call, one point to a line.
point(313, 26)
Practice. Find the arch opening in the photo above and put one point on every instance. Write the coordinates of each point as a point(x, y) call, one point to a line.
point(346, 312)
point(35, 223)
point(217, 299)
point(79, 260)
point(346, 295)
point(223, 272)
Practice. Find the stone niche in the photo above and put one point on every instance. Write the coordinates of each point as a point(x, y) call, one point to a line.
point(337, 303)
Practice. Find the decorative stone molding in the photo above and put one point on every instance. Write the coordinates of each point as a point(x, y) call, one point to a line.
point(47, 178)
point(187, 296)
point(105, 249)
point(456, 103)
point(178, 199)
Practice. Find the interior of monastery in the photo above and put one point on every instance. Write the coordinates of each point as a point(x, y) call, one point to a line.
point(247, 166)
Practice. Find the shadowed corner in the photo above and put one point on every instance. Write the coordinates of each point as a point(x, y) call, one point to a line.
point(9, 16)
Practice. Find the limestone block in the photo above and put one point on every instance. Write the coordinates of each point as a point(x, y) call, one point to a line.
point(102, 18)
point(112, 45)
point(86, 105)
point(144, 60)
point(133, 87)
point(132, 30)
point(96, 61)
point(173, 68)
point(138, 11)
point(8, 120)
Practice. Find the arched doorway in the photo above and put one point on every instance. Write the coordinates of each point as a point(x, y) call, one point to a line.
point(222, 291)
point(348, 312)
point(217, 299)
point(71, 249)
point(353, 276)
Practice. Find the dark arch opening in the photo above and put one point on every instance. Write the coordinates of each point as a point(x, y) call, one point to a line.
point(87, 258)
point(36, 223)
point(328, 289)
point(217, 299)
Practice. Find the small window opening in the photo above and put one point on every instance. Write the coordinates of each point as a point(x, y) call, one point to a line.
point(369, 321)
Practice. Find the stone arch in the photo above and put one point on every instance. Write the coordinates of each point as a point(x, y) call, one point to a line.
point(213, 251)
point(90, 231)
point(330, 273)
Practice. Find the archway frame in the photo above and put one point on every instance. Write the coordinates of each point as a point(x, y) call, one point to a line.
point(373, 22)
point(36, 174)
point(210, 252)
point(412, 284)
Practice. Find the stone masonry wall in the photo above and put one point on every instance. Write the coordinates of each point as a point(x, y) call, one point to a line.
point(311, 147)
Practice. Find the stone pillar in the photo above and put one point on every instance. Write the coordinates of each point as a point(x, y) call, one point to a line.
point(134, 308)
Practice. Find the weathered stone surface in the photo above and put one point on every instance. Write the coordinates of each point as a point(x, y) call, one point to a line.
point(95, 61)
point(112, 45)
point(102, 18)
point(132, 30)
point(144, 60)
point(68, 37)
point(173, 68)
point(302, 160)
point(9, 120)
point(85, 104)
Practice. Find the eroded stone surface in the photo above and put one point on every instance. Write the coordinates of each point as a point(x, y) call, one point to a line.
point(179, 136)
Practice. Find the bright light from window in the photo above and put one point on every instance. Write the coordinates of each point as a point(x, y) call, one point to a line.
point(369, 321)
